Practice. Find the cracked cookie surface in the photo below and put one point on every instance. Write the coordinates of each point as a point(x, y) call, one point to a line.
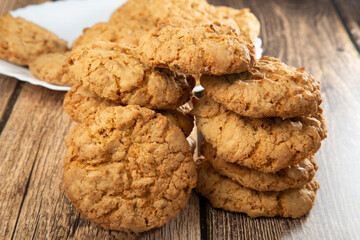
point(224, 193)
point(269, 89)
point(205, 49)
point(176, 12)
point(114, 72)
point(52, 68)
point(142, 12)
point(180, 118)
point(128, 169)
point(122, 33)
point(21, 41)
point(294, 176)
point(266, 144)
point(246, 21)
point(82, 104)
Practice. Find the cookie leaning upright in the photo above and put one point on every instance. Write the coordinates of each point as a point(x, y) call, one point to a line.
point(21, 41)
point(128, 169)
point(205, 49)
point(115, 72)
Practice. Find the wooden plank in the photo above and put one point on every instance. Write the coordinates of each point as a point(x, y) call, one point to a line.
point(349, 11)
point(31, 132)
point(11, 192)
point(9, 90)
point(311, 34)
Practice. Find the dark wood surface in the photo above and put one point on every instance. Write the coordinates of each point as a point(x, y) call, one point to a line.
point(321, 35)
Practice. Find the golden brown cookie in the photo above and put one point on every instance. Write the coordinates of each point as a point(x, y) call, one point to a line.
point(205, 49)
point(52, 68)
point(180, 118)
point(123, 33)
point(22, 41)
point(269, 89)
point(267, 144)
point(294, 176)
point(81, 104)
point(246, 21)
point(224, 193)
point(179, 13)
point(186, 13)
point(140, 11)
point(102, 31)
point(114, 72)
point(129, 169)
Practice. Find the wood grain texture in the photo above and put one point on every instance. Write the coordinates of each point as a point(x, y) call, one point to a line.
point(11, 189)
point(311, 34)
point(31, 133)
point(349, 11)
point(9, 91)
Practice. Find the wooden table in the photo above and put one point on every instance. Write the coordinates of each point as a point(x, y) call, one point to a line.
point(321, 35)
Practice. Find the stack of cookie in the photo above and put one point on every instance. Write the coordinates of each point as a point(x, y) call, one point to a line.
point(108, 74)
point(130, 168)
point(260, 119)
point(261, 129)
point(127, 167)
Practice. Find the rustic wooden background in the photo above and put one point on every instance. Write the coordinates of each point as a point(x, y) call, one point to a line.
point(322, 35)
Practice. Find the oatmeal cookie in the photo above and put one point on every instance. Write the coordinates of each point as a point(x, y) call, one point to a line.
point(122, 33)
point(177, 12)
point(269, 89)
point(294, 176)
point(22, 41)
point(52, 68)
point(129, 169)
point(80, 103)
point(224, 193)
point(142, 12)
point(246, 21)
point(267, 144)
point(205, 49)
point(183, 120)
point(114, 72)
